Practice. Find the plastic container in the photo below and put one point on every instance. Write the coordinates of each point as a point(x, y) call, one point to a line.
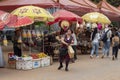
point(36, 63)
point(45, 61)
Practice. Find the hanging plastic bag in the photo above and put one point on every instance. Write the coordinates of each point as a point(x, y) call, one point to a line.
point(38, 33)
point(94, 25)
point(5, 42)
point(24, 34)
point(20, 39)
point(29, 34)
point(31, 41)
point(70, 51)
point(77, 24)
point(33, 33)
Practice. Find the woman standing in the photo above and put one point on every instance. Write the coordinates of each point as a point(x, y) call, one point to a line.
point(95, 36)
point(66, 40)
point(115, 46)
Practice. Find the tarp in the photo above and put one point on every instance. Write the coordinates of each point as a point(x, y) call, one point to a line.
point(87, 3)
point(103, 7)
point(112, 12)
point(9, 5)
point(74, 7)
point(119, 7)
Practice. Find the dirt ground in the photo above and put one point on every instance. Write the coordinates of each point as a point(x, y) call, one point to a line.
point(83, 69)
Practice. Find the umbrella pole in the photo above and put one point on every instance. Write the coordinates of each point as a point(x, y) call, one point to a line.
point(30, 48)
point(43, 41)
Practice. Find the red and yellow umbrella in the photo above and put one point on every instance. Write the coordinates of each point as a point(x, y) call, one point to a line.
point(4, 19)
point(1, 25)
point(13, 20)
point(33, 12)
point(21, 21)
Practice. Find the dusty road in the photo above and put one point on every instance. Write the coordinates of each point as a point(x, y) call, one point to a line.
point(83, 69)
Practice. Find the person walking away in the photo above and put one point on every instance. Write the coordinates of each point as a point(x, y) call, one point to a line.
point(107, 42)
point(115, 46)
point(95, 36)
point(66, 40)
point(118, 32)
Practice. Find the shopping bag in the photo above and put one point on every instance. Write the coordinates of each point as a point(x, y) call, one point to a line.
point(70, 51)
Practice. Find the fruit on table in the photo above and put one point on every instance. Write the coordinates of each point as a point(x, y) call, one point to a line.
point(34, 56)
point(42, 54)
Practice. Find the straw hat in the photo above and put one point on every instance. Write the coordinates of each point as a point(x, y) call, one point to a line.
point(65, 24)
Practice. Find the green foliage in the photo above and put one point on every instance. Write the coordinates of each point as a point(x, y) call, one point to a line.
point(115, 3)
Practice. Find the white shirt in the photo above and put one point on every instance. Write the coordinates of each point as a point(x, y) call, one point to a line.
point(96, 38)
point(74, 39)
point(109, 34)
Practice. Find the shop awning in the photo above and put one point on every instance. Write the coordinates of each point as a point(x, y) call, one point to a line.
point(87, 3)
point(74, 7)
point(8, 5)
point(112, 12)
point(119, 7)
point(105, 5)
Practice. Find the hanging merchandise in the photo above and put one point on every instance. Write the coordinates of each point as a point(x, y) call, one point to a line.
point(83, 23)
point(29, 34)
point(77, 24)
point(88, 25)
point(42, 34)
point(103, 26)
point(31, 41)
point(38, 33)
point(5, 42)
point(94, 25)
point(20, 39)
point(24, 34)
point(33, 33)
point(81, 26)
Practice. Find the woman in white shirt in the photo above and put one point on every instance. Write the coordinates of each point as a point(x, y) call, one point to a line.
point(95, 36)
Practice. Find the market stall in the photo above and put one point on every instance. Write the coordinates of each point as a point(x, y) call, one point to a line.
point(30, 60)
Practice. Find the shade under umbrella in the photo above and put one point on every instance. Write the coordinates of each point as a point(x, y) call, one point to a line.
point(21, 21)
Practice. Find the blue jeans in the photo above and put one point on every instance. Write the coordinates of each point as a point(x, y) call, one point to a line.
point(106, 48)
point(95, 46)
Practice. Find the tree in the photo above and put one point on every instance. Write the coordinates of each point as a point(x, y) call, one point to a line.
point(115, 3)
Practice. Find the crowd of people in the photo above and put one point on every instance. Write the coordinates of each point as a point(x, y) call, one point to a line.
point(109, 36)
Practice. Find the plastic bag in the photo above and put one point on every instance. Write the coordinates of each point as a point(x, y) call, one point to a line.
point(71, 51)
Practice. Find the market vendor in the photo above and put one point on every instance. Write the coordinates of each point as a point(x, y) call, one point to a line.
point(16, 44)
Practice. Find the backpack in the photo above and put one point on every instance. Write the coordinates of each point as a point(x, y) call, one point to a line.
point(104, 37)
